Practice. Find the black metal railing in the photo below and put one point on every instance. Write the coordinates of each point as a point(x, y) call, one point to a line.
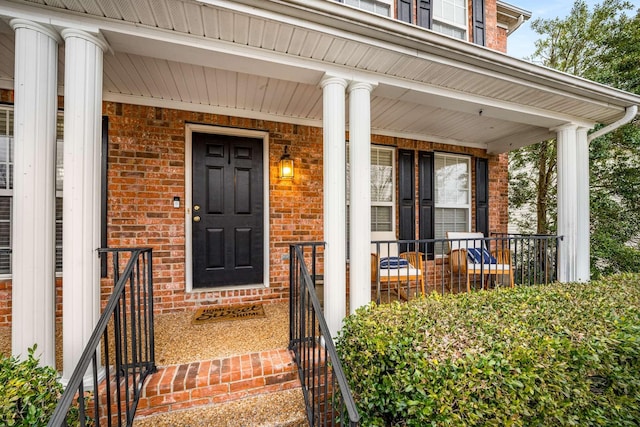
point(120, 353)
point(326, 392)
point(402, 269)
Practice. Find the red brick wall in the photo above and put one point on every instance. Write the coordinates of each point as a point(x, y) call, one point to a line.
point(496, 38)
point(147, 169)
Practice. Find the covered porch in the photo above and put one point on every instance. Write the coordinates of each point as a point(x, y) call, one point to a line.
point(305, 76)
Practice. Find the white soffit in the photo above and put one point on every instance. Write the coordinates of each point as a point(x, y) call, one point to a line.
point(251, 59)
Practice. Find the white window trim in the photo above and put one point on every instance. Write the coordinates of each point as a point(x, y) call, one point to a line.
point(389, 3)
point(468, 205)
point(388, 235)
point(9, 193)
point(188, 176)
point(464, 27)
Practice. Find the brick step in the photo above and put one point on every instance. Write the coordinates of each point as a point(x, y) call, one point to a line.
point(206, 382)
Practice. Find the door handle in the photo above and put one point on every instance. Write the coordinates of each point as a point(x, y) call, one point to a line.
point(196, 218)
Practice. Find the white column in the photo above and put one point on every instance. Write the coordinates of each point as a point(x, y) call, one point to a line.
point(360, 195)
point(81, 203)
point(334, 170)
point(573, 203)
point(34, 180)
point(583, 231)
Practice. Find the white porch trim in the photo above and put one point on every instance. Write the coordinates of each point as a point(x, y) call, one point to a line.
point(188, 202)
point(33, 260)
point(334, 192)
point(573, 203)
point(81, 209)
point(360, 194)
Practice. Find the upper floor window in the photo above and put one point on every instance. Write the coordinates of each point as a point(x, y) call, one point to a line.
point(444, 16)
point(380, 7)
point(450, 18)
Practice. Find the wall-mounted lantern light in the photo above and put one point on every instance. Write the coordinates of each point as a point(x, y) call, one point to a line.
point(285, 165)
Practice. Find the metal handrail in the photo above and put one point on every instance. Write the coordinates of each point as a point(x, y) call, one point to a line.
point(319, 366)
point(122, 372)
point(533, 260)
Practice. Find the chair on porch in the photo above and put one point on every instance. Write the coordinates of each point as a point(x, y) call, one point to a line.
point(403, 269)
point(469, 256)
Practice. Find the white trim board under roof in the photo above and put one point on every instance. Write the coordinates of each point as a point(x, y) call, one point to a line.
point(280, 50)
point(511, 17)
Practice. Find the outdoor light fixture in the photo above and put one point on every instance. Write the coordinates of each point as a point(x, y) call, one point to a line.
point(286, 164)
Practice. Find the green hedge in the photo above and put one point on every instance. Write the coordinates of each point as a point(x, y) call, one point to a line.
point(29, 393)
point(537, 356)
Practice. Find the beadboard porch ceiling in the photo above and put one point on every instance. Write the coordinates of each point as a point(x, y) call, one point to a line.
point(266, 59)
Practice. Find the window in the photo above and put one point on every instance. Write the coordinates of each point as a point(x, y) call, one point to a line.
point(452, 194)
point(379, 7)
point(450, 18)
point(382, 192)
point(6, 189)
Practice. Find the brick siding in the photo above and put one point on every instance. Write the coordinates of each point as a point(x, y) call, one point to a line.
point(147, 169)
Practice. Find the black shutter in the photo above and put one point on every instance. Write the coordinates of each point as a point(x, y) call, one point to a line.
point(478, 22)
point(424, 13)
point(406, 196)
point(426, 200)
point(404, 10)
point(482, 196)
point(103, 195)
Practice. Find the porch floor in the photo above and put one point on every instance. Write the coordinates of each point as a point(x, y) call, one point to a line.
point(178, 341)
point(266, 396)
point(234, 373)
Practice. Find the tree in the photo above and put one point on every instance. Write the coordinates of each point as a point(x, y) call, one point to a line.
point(601, 45)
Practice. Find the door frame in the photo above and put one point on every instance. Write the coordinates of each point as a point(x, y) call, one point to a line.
point(188, 178)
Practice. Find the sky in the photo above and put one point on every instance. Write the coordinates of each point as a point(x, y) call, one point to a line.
point(521, 43)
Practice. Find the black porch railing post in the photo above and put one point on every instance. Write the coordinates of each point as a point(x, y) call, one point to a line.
point(328, 399)
point(133, 360)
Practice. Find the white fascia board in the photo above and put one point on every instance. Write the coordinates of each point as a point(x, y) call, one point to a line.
point(402, 35)
point(472, 104)
point(513, 142)
point(374, 30)
point(205, 108)
point(185, 48)
point(428, 138)
point(394, 41)
point(47, 15)
point(167, 44)
point(219, 54)
point(257, 115)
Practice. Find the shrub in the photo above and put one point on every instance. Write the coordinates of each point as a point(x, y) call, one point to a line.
point(28, 392)
point(564, 354)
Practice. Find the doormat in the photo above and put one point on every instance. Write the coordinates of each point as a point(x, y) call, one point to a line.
point(221, 314)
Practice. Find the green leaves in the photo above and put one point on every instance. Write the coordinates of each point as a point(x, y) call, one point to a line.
point(601, 44)
point(29, 393)
point(555, 355)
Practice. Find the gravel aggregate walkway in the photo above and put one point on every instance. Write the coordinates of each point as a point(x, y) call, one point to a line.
point(281, 409)
point(178, 341)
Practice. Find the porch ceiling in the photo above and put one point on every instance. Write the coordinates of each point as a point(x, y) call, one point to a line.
point(266, 62)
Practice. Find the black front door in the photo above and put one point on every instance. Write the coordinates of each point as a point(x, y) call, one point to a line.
point(227, 211)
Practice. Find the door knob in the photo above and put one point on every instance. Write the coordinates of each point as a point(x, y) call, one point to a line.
point(196, 208)
point(196, 218)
